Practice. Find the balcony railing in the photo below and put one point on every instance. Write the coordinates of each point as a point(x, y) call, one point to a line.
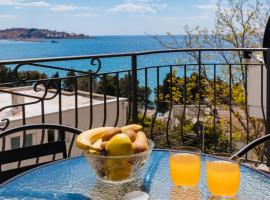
point(198, 97)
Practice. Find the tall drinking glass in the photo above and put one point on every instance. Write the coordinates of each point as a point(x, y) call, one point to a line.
point(185, 166)
point(223, 176)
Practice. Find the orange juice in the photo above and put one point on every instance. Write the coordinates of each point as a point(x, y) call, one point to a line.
point(185, 169)
point(223, 177)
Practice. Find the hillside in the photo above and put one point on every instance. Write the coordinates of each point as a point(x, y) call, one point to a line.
point(35, 34)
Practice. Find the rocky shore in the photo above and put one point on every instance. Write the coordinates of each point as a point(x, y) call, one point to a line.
point(36, 35)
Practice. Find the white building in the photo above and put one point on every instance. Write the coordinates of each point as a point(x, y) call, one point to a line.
point(256, 89)
point(51, 109)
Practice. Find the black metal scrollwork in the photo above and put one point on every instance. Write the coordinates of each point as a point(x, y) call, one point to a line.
point(22, 78)
point(96, 62)
point(37, 87)
point(6, 121)
point(17, 75)
point(47, 86)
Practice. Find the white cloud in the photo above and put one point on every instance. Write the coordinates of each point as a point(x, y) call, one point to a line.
point(67, 7)
point(31, 3)
point(138, 6)
point(23, 3)
point(130, 7)
point(37, 4)
point(206, 6)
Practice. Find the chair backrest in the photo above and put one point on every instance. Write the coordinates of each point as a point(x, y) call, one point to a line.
point(35, 151)
point(252, 145)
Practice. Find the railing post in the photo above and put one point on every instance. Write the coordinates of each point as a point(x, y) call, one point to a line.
point(62, 135)
point(267, 144)
point(134, 96)
point(247, 59)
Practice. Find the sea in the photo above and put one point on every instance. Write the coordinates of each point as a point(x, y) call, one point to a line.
point(13, 50)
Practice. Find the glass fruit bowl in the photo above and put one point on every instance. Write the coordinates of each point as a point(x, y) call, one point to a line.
point(119, 169)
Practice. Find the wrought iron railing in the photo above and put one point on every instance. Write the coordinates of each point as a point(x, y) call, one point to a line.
point(199, 97)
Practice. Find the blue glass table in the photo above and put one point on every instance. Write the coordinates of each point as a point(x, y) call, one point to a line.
point(73, 179)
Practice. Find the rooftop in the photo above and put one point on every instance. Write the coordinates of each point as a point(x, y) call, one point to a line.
point(52, 105)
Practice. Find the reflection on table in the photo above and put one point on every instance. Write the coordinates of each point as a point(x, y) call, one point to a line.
point(102, 190)
point(181, 193)
point(220, 198)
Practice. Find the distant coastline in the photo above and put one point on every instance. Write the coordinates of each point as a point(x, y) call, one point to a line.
point(37, 35)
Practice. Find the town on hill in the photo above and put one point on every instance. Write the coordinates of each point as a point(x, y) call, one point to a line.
point(36, 34)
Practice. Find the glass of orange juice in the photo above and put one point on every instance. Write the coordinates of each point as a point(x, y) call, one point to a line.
point(185, 166)
point(223, 176)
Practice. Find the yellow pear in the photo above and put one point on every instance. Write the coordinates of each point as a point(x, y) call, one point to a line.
point(119, 145)
point(117, 170)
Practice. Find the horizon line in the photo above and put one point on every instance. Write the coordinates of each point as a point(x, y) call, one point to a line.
point(89, 34)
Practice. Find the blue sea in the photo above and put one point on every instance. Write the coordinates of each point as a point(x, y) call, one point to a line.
point(10, 50)
point(71, 47)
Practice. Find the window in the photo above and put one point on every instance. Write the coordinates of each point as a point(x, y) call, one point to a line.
point(51, 135)
point(15, 142)
point(29, 140)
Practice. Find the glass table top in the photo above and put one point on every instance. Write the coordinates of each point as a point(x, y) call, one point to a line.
point(74, 179)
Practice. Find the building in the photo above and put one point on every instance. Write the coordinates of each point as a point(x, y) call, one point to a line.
point(33, 114)
point(256, 87)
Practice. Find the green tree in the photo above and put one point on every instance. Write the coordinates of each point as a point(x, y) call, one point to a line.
point(69, 81)
point(195, 85)
point(7, 75)
point(53, 84)
point(107, 82)
point(238, 23)
point(84, 82)
point(124, 83)
point(124, 89)
point(56, 75)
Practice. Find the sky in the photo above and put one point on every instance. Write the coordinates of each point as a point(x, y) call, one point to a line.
point(108, 17)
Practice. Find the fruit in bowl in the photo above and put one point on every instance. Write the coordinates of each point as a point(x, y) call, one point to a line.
point(116, 154)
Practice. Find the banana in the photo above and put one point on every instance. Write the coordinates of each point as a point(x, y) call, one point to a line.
point(134, 127)
point(109, 134)
point(87, 138)
point(103, 144)
point(96, 145)
point(91, 151)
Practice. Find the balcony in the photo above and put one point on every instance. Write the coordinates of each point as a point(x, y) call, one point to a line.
point(213, 99)
point(208, 98)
